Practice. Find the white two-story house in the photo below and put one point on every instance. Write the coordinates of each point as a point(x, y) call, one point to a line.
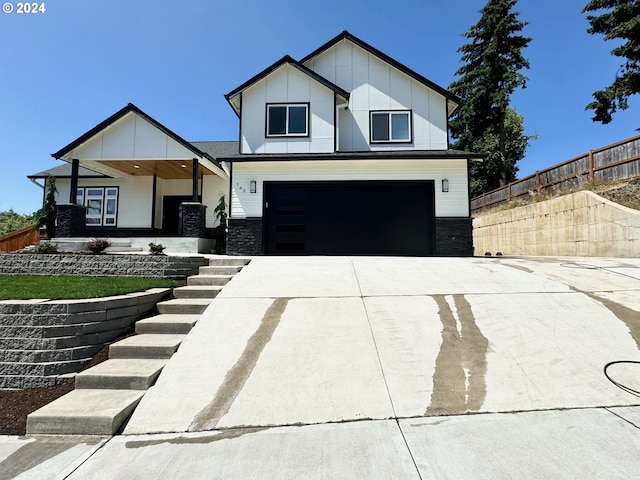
point(346, 152)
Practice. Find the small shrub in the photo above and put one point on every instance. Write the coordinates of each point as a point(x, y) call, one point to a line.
point(156, 248)
point(46, 247)
point(98, 245)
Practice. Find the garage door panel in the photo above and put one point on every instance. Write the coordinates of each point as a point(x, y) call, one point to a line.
point(349, 218)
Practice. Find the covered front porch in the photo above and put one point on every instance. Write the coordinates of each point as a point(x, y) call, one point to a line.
point(153, 184)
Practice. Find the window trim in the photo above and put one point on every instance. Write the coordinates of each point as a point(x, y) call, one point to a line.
point(306, 105)
point(83, 199)
point(409, 114)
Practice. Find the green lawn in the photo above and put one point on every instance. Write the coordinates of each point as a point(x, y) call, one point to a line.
point(23, 287)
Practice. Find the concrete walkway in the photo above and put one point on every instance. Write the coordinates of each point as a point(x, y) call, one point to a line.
point(359, 367)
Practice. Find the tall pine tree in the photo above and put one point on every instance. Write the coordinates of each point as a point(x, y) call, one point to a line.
point(491, 71)
point(621, 21)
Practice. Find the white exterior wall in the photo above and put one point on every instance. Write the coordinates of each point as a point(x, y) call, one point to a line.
point(287, 85)
point(451, 204)
point(131, 137)
point(375, 85)
point(134, 198)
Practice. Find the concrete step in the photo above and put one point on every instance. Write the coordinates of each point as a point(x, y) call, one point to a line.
point(220, 270)
point(121, 374)
point(197, 291)
point(167, 323)
point(84, 412)
point(227, 261)
point(184, 306)
point(148, 345)
point(208, 278)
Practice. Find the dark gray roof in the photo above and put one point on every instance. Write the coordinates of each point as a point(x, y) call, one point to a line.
point(377, 155)
point(64, 170)
point(226, 148)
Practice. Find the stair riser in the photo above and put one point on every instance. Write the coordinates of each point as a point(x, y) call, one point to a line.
point(186, 293)
point(181, 309)
point(181, 328)
point(116, 383)
point(116, 351)
point(219, 270)
point(237, 262)
point(220, 281)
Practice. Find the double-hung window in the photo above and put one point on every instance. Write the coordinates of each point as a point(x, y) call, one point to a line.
point(390, 126)
point(101, 203)
point(288, 120)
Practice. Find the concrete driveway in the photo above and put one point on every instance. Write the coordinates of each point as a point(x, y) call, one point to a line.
point(360, 367)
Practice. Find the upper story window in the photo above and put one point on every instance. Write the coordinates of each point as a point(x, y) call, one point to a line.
point(288, 120)
point(390, 126)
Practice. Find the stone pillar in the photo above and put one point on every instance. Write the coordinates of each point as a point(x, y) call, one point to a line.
point(193, 219)
point(245, 236)
point(70, 220)
point(454, 237)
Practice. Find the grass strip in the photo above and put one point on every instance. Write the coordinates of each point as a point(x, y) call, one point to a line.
point(25, 287)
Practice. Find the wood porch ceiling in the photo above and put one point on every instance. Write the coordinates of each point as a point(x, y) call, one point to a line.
point(167, 169)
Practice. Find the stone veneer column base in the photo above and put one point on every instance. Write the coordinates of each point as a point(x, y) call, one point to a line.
point(454, 237)
point(193, 219)
point(245, 236)
point(70, 220)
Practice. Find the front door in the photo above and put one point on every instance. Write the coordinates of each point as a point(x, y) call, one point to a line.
point(172, 214)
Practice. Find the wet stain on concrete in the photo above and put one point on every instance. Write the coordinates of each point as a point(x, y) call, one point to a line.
point(238, 375)
point(38, 452)
point(459, 378)
point(629, 317)
point(199, 440)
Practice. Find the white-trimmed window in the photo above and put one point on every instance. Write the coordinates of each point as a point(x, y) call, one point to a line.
point(390, 126)
point(101, 203)
point(288, 120)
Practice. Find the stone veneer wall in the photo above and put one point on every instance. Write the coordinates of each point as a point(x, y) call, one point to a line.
point(151, 266)
point(245, 236)
point(45, 342)
point(454, 237)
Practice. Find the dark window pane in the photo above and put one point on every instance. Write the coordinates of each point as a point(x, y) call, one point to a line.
point(277, 120)
point(111, 207)
point(298, 120)
point(400, 126)
point(379, 127)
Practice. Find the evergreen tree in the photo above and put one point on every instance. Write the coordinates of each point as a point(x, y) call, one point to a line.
point(621, 21)
point(490, 73)
point(46, 216)
point(488, 175)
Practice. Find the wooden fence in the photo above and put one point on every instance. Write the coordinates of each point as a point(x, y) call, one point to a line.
point(19, 239)
point(620, 161)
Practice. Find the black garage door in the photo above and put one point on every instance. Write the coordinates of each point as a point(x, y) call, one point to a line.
point(349, 218)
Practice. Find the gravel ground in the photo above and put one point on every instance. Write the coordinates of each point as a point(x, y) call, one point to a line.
point(627, 195)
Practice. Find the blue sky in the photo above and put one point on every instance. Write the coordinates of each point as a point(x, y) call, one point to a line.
point(65, 70)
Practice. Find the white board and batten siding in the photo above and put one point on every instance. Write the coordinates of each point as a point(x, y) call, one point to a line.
point(131, 137)
point(134, 197)
point(287, 85)
point(376, 85)
point(453, 203)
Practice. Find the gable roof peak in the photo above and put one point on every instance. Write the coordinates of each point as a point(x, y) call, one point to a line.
point(346, 35)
